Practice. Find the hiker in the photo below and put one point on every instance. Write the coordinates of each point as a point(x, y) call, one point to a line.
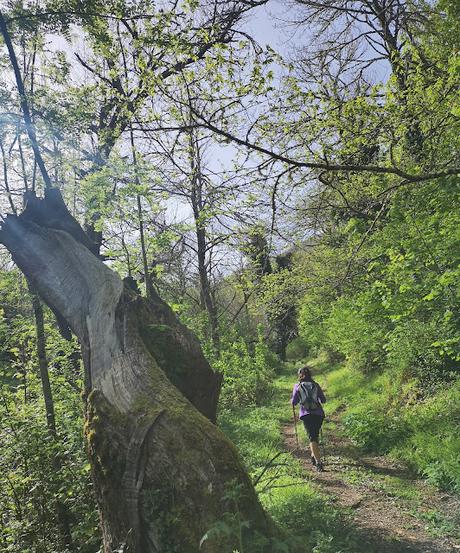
point(309, 394)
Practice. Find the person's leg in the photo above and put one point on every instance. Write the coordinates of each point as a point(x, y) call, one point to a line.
point(314, 447)
point(312, 425)
point(315, 426)
point(307, 425)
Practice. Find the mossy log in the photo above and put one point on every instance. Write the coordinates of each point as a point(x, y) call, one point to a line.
point(163, 472)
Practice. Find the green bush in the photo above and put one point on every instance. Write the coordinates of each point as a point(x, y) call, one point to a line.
point(312, 314)
point(413, 353)
point(433, 445)
point(353, 331)
point(30, 482)
point(374, 430)
point(297, 349)
point(373, 419)
point(248, 375)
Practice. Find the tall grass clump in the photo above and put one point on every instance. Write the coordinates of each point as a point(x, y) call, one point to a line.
point(433, 442)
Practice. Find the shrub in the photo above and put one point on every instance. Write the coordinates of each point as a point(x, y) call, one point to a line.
point(433, 445)
point(374, 430)
point(312, 328)
point(412, 353)
point(247, 374)
point(297, 349)
point(353, 331)
point(29, 483)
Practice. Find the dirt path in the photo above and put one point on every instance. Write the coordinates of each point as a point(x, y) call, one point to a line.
point(391, 512)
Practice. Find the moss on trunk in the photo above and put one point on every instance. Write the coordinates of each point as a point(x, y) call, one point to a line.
point(164, 475)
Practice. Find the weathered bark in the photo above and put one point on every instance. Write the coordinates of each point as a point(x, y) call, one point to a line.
point(161, 469)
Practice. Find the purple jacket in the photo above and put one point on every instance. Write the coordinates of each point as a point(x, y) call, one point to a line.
point(296, 398)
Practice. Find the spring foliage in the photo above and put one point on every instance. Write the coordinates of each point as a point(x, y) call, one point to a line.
point(359, 265)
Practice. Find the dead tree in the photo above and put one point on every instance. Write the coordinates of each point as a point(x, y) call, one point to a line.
point(161, 468)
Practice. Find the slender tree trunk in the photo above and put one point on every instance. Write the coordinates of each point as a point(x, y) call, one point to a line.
point(43, 361)
point(196, 196)
point(161, 469)
point(205, 287)
point(147, 278)
point(30, 128)
point(62, 514)
point(5, 177)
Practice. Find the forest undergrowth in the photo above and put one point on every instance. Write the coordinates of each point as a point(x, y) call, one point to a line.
point(285, 489)
point(284, 198)
point(370, 498)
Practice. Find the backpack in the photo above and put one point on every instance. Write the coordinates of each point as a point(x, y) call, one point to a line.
point(309, 395)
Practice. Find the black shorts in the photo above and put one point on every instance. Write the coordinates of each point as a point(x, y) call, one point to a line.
point(312, 425)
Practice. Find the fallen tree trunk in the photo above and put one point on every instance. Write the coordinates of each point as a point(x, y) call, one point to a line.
point(162, 471)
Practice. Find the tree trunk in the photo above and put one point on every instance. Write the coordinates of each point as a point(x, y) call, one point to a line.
point(162, 471)
point(196, 198)
point(205, 287)
point(62, 513)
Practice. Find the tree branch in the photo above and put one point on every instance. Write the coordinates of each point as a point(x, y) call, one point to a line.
point(30, 128)
point(332, 167)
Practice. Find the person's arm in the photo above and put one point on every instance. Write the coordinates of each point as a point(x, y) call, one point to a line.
point(295, 395)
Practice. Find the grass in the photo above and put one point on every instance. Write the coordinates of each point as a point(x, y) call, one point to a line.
point(401, 488)
point(423, 434)
point(437, 524)
point(384, 416)
point(284, 487)
point(313, 523)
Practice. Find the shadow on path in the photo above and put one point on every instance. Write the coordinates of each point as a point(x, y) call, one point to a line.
point(381, 522)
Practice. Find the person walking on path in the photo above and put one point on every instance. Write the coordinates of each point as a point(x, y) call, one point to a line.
point(309, 394)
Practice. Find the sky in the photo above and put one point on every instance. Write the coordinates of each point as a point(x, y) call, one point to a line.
point(267, 24)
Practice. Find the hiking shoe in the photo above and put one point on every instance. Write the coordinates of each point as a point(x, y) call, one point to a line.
point(313, 461)
point(319, 467)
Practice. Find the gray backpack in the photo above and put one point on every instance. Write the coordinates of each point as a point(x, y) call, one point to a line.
point(309, 395)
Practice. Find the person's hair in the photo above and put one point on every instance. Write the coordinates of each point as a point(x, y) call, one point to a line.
point(304, 373)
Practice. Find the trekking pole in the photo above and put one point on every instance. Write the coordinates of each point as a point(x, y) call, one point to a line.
point(323, 445)
point(295, 427)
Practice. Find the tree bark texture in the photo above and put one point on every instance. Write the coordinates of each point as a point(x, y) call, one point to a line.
point(162, 470)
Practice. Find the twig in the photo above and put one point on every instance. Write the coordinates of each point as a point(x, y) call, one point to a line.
point(268, 465)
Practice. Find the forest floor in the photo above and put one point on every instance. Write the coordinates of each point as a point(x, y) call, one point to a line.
point(390, 510)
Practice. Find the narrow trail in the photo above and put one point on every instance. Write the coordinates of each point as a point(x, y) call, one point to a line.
point(385, 518)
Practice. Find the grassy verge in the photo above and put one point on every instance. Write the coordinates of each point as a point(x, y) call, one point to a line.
point(383, 417)
point(294, 502)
